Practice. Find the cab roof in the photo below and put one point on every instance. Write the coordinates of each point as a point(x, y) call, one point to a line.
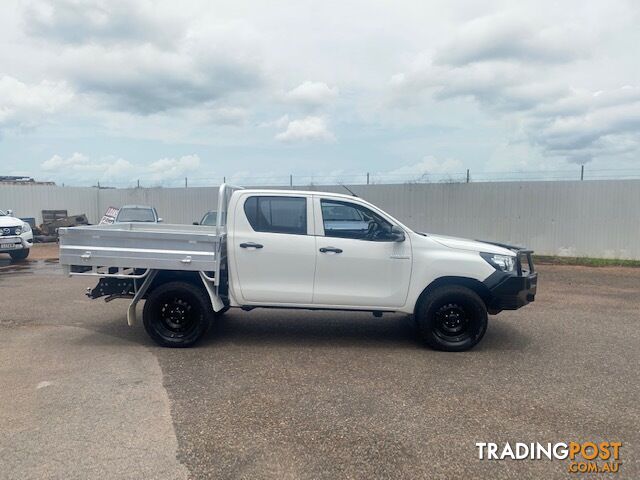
point(267, 191)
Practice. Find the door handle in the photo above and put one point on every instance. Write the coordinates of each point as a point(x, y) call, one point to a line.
point(330, 250)
point(251, 245)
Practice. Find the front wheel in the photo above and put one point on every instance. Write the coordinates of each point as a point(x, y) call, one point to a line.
point(19, 254)
point(177, 314)
point(452, 318)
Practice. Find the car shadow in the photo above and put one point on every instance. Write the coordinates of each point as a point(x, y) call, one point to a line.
point(264, 328)
point(308, 328)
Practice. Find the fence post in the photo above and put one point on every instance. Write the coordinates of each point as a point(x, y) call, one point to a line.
point(467, 175)
point(581, 172)
point(367, 178)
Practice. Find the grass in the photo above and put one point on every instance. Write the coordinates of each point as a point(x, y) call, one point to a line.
point(584, 261)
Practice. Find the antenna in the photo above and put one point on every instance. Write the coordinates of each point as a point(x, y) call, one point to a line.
point(349, 190)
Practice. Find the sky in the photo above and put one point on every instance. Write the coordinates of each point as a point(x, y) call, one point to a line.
point(116, 91)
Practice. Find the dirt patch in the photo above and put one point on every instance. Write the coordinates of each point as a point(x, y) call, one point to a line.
point(44, 251)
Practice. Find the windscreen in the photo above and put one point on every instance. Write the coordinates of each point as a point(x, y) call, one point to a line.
point(136, 215)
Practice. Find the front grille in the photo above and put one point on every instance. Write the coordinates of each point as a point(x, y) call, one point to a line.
point(525, 262)
point(6, 231)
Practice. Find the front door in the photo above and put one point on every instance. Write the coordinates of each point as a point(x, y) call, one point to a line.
point(274, 252)
point(358, 265)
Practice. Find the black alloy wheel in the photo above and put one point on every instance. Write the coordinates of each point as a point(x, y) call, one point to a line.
point(451, 318)
point(177, 314)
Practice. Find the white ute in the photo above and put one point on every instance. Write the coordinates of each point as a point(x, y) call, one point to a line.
point(16, 237)
point(299, 249)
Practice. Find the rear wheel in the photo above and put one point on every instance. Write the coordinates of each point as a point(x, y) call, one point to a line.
point(452, 318)
point(19, 254)
point(177, 314)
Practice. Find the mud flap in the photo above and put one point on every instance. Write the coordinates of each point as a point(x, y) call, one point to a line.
point(216, 301)
point(131, 311)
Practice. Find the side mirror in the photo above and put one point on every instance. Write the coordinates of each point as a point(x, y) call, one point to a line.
point(10, 212)
point(196, 223)
point(397, 234)
point(160, 220)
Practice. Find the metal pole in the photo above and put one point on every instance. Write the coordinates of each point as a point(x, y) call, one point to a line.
point(367, 178)
point(290, 180)
point(185, 182)
point(224, 179)
point(467, 175)
point(138, 183)
point(581, 172)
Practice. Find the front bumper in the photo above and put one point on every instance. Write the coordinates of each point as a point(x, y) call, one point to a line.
point(513, 290)
point(16, 242)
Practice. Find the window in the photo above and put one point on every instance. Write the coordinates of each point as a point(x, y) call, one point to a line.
point(277, 214)
point(211, 218)
point(135, 214)
point(349, 220)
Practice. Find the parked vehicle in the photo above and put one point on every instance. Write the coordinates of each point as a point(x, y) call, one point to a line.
point(137, 213)
point(16, 237)
point(210, 218)
point(297, 249)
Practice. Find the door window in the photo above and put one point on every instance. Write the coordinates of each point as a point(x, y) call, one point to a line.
point(277, 214)
point(350, 220)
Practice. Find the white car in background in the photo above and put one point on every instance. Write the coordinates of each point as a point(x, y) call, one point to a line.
point(16, 237)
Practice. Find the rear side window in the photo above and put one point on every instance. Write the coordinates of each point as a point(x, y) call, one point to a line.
point(277, 214)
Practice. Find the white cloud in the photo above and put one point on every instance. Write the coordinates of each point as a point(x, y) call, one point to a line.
point(172, 168)
point(81, 168)
point(471, 78)
point(510, 37)
point(24, 106)
point(429, 165)
point(278, 123)
point(306, 129)
point(312, 94)
point(78, 21)
point(229, 115)
point(498, 62)
point(144, 57)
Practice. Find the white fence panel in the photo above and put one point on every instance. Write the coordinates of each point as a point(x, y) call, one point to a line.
point(599, 218)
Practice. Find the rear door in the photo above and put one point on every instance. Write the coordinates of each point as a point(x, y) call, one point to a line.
point(358, 264)
point(274, 250)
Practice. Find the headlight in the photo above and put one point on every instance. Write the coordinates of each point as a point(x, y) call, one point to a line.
point(26, 227)
point(505, 263)
point(18, 230)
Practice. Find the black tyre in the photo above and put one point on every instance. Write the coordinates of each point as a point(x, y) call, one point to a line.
point(20, 254)
point(177, 314)
point(451, 318)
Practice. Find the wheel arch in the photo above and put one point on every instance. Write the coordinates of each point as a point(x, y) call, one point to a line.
point(167, 276)
point(471, 283)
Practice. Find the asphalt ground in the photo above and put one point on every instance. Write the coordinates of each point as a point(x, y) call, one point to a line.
point(312, 395)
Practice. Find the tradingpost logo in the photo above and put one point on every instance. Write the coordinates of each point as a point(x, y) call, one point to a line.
point(584, 457)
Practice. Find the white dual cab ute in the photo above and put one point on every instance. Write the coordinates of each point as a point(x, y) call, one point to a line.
point(299, 249)
point(16, 237)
